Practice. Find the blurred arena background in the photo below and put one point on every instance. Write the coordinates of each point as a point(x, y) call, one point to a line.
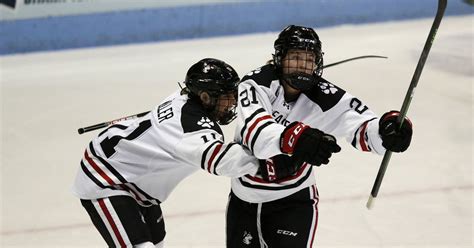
point(38, 25)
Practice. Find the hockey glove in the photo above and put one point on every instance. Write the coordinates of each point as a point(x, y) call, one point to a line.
point(278, 167)
point(395, 138)
point(308, 144)
point(290, 136)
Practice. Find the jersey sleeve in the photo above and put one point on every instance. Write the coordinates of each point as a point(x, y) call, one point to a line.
point(256, 129)
point(205, 148)
point(348, 117)
point(357, 124)
point(202, 145)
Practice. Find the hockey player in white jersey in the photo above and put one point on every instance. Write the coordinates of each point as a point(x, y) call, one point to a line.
point(132, 166)
point(279, 206)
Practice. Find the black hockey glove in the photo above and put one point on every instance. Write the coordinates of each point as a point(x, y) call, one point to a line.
point(308, 144)
point(395, 139)
point(278, 167)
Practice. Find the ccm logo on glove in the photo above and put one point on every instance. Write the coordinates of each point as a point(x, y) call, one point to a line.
point(290, 136)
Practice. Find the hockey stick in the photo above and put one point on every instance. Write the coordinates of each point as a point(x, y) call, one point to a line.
point(347, 60)
point(409, 95)
point(107, 123)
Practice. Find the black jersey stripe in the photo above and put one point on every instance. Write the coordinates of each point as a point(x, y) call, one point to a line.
point(204, 154)
point(221, 156)
point(129, 187)
point(107, 165)
point(283, 187)
point(133, 194)
point(125, 187)
point(354, 140)
point(249, 119)
point(356, 134)
point(93, 178)
point(140, 198)
point(136, 194)
point(145, 194)
point(255, 136)
point(90, 176)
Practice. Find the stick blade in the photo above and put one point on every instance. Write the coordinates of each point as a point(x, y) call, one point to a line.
point(370, 202)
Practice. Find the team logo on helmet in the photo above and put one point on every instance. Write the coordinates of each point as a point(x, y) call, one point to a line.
point(205, 122)
point(206, 68)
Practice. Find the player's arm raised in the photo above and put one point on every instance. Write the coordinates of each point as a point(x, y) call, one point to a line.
point(352, 119)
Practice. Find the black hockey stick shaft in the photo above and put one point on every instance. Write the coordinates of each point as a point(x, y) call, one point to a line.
point(408, 97)
point(108, 123)
point(350, 59)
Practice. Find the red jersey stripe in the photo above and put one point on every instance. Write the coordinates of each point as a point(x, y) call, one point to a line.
point(211, 159)
point(362, 143)
point(254, 124)
point(98, 169)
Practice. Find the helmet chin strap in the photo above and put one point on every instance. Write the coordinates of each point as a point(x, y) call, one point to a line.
point(227, 117)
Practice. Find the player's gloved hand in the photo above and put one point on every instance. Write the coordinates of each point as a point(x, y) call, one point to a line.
point(308, 144)
point(395, 139)
point(278, 167)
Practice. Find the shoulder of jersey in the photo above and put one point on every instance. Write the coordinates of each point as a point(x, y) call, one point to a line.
point(263, 75)
point(325, 94)
point(195, 118)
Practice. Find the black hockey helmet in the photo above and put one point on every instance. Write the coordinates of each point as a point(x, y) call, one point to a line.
point(216, 78)
point(213, 76)
point(302, 38)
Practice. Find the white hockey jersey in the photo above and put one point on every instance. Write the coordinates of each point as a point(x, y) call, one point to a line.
point(147, 157)
point(263, 114)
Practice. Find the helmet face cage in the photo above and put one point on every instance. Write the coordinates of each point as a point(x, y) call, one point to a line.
point(298, 38)
point(298, 61)
point(220, 81)
point(225, 108)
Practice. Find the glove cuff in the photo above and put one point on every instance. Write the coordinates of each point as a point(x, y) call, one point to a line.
point(393, 116)
point(290, 135)
point(268, 170)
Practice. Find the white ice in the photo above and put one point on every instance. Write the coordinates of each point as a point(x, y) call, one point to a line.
point(426, 196)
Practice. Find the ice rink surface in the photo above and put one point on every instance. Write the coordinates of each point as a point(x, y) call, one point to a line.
point(426, 196)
